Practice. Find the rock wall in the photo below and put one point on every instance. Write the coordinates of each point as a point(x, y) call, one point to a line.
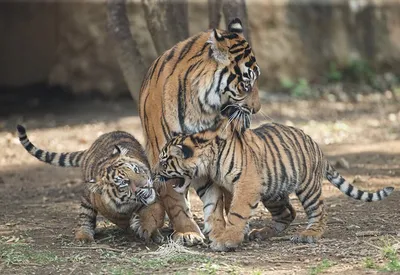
point(66, 43)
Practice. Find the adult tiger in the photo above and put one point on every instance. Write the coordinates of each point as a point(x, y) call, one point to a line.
point(264, 164)
point(118, 183)
point(186, 90)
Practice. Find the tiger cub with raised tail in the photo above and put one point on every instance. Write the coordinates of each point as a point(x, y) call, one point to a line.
point(263, 164)
point(118, 184)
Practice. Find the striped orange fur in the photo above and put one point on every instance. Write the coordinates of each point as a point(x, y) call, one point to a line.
point(186, 90)
point(263, 164)
point(117, 180)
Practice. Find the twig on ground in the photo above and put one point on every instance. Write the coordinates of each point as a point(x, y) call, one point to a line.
point(170, 248)
point(374, 233)
point(306, 223)
point(370, 244)
point(94, 248)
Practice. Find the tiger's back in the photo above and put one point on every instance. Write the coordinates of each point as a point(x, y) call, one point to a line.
point(98, 155)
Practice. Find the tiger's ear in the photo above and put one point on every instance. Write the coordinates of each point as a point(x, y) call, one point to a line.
point(119, 150)
point(219, 47)
point(181, 151)
point(235, 26)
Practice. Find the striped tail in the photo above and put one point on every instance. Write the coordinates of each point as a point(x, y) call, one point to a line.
point(72, 159)
point(350, 190)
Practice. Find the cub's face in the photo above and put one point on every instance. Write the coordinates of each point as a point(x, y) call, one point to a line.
point(126, 178)
point(181, 158)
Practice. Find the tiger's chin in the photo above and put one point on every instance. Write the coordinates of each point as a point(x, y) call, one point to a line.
point(239, 116)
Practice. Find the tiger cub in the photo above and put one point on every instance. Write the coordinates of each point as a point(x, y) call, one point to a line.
point(263, 164)
point(118, 183)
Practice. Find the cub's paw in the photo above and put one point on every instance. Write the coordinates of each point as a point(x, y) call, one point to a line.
point(157, 237)
point(307, 236)
point(222, 246)
point(145, 234)
point(262, 234)
point(84, 236)
point(188, 238)
point(227, 242)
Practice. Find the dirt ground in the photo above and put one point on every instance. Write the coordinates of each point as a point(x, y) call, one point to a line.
point(39, 203)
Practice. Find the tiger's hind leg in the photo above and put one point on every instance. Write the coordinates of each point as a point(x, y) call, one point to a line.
point(282, 213)
point(313, 204)
point(87, 222)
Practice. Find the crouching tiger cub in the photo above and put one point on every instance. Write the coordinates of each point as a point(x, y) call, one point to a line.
point(263, 164)
point(118, 183)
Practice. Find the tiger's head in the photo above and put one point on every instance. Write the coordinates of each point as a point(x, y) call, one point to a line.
point(238, 78)
point(185, 157)
point(126, 178)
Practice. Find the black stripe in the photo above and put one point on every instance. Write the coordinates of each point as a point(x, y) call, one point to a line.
point(236, 178)
point(207, 205)
point(250, 63)
point(235, 51)
point(61, 161)
point(29, 147)
point(247, 52)
point(39, 153)
point(50, 157)
point(202, 190)
point(238, 44)
point(197, 139)
point(231, 36)
point(359, 194)
point(188, 46)
point(200, 53)
point(238, 215)
point(88, 207)
point(349, 190)
point(181, 105)
point(167, 58)
point(238, 58)
point(253, 206)
point(314, 200)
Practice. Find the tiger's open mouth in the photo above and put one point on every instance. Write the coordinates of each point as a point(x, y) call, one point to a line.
point(180, 185)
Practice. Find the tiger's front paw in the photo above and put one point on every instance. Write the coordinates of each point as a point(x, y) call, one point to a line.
point(307, 236)
point(188, 238)
point(146, 234)
point(262, 233)
point(228, 241)
point(83, 235)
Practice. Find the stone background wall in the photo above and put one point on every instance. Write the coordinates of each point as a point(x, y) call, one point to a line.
point(66, 43)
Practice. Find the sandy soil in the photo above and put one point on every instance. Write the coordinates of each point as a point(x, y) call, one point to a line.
point(39, 203)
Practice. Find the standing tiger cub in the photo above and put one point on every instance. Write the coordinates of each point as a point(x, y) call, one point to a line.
point(263, 164)
point(118, 183)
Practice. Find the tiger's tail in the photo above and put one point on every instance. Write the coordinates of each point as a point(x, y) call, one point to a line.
point(72, 159)
point(350, 190)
